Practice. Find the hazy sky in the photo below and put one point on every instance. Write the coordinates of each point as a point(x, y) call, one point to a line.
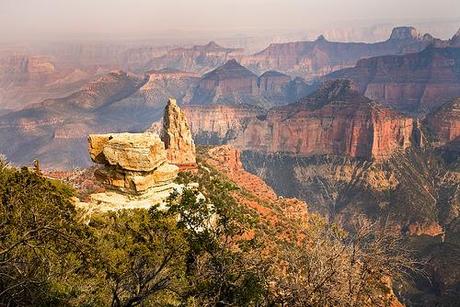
point(35, 18)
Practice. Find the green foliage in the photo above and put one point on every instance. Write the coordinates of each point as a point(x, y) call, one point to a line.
point(206, 250)
point(39, 238)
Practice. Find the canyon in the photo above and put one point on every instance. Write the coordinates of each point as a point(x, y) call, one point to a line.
point(55, 129)
point(334, 120)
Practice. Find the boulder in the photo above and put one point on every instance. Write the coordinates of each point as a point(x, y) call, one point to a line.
point(130, 151)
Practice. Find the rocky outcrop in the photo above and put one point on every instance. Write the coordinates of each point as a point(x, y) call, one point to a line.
point(177, 137)
point(133, 163)
point(417, 82)
point(310, 59)
point(335, 120)
point(444, 123)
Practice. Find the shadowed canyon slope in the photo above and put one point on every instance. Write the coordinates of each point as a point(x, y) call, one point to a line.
point(54, 130)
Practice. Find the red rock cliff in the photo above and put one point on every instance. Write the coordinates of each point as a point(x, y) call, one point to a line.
point(334, 121)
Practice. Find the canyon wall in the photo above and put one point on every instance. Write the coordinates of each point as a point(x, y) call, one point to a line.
point(416, 83)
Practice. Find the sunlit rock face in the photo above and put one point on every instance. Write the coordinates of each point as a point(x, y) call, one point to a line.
point(177, 136)
point(335, 120)
point(132, 162)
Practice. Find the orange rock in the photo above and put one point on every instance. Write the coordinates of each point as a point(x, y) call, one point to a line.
point(177, 136)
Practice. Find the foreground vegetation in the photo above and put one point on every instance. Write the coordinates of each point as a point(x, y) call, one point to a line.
point(218, 253)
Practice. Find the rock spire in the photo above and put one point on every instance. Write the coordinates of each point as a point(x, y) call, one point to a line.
point(177, 137)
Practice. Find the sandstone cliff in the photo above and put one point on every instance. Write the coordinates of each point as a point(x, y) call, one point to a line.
point(335, 120)
point(166, 83)
point(416, 82)
point(219, 124)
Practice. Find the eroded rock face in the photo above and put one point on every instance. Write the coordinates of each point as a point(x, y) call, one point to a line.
point(218, 124)
point(336, 120)
point(133, 162)
point(234, 84)
point(198, 59)
point(445, 122)
point(177, 136)
point(142, 152)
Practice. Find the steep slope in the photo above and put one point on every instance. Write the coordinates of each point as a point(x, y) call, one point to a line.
point(415, 82)
point(55, 130)
point(312, 59)
point(455, 40)
point(219, 124)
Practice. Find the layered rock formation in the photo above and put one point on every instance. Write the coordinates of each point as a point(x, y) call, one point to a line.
point(166, 83)
point(335, 120)
point(199, 59)
point(234, 84)
point(416, 82)
point(133, 163)
point(230, 83)
point(135, 171)
point(177, 137)
point(311, 59)
point(219, 124)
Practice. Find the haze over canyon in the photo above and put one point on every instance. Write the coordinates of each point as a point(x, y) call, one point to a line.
point(300, 113)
